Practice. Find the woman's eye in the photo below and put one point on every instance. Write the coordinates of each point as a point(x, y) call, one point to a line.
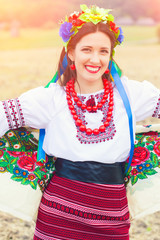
point(86, 50)
point(104, 51)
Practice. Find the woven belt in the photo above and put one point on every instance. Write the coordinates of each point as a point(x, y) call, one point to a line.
point(90, 171)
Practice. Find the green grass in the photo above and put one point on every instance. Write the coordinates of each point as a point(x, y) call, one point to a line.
point(139, 33)
point(40, 38)
point(30, 38)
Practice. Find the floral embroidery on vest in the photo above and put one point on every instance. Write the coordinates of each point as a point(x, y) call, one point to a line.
point(157, 110)
point(18, 156)
point(14, 113)
point(146, 157)
point(101, 137)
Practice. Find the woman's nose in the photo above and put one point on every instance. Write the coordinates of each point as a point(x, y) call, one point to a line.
point(95, 58)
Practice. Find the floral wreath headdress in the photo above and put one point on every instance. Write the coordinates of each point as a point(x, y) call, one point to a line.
point(94, 14)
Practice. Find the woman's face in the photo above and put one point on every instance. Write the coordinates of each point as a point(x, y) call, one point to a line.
point(91, 57)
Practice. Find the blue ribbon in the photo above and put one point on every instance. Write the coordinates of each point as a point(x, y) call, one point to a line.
point(127, 106)
point(41, 153)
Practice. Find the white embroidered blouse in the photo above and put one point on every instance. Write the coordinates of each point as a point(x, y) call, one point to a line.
point(47, 108)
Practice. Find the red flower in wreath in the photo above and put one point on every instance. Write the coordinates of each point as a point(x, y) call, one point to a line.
point(27, 163)
point(156, 148)
point(74, 19)
point(113, 27)
point(141, 154)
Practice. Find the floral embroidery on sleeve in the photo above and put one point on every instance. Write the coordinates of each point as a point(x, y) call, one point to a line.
point(157, 110)
point(14, 113)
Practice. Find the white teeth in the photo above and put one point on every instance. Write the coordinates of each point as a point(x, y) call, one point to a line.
point(93, 69)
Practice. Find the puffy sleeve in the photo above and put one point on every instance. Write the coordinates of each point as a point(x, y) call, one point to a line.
point(34, 108)
point(144, 98)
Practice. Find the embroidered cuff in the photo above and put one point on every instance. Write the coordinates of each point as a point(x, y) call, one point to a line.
point(14, 113)
point(157, 110)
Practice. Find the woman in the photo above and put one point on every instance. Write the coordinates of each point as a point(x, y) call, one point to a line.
point(85, 128)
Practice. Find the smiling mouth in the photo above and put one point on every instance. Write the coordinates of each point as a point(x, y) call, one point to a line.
point(92, 69)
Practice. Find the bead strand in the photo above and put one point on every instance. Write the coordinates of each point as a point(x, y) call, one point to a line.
point(70, 87)
point(108, 92)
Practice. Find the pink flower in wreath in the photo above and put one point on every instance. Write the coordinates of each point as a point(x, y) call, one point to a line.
point(156, 148)
point(141, 154)
point(27, 163)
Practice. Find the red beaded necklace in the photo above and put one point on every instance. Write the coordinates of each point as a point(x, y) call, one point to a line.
point(108, 92)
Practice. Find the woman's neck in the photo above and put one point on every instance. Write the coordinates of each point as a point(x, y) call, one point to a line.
point(89, 87)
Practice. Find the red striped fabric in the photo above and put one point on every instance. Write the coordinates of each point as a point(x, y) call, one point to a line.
point(76, 210)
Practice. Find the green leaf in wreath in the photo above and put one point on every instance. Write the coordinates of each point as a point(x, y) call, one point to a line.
point(142, 175)
point(134, 179)
point(17, 178)
point(150, 172)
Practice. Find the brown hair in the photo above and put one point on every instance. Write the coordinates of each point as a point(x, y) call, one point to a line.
point(87, 28)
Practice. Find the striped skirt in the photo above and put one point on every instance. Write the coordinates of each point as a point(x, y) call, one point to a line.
point(77, 210)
